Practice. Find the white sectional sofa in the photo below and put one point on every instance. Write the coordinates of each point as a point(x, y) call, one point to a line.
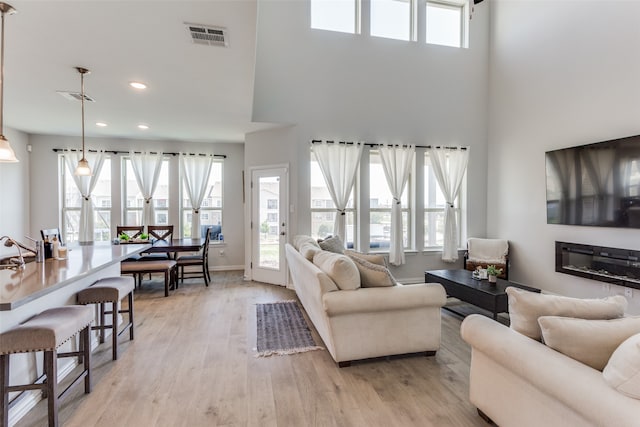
point(518, 381)
point(367, 322)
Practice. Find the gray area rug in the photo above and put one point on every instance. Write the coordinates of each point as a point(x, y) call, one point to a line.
point(282, 330)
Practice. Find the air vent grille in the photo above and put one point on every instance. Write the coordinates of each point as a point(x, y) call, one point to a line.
point(212, 36)
point(77, 96)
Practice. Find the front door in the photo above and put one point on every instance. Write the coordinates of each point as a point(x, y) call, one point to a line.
point(269, 195)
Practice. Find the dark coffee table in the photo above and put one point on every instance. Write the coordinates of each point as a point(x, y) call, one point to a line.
point(459, 284)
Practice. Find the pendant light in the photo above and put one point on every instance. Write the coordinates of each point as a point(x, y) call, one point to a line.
point(6, 152)
point(83, 168)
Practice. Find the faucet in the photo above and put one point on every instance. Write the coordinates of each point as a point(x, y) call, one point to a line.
point(14, 263)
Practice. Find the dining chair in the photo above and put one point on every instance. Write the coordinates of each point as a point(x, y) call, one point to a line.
point(201, 259)
point(158, 232)
point(133, 231)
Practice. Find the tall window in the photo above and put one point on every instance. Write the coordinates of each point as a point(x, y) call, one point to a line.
point(392, 19)
point(380, 202)
point(72, 202)
point(434, 205)
point(323, 210)
point(444, 23)
point(211, 209)
point(335, 15)
point(133, 198)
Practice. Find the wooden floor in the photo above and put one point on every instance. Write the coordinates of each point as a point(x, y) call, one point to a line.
point(193, 363)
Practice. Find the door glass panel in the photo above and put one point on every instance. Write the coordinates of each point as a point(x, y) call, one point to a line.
point(269, 222)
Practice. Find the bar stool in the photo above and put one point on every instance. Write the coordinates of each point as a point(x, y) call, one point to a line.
point(110, 290)
point(46, 332)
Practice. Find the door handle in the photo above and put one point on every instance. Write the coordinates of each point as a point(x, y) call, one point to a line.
point(282, 233)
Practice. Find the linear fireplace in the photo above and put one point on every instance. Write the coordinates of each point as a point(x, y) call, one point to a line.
point(611, 265)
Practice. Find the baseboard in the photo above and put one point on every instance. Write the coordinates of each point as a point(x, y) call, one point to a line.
point(227, 268)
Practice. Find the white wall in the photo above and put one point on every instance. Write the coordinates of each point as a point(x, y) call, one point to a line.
point(332, 85)
point(14, 188)
point(563, 73)
point(45, 209)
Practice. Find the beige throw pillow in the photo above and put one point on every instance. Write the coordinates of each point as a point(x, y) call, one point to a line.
point(588, 341)
point(525, 307)
point(301, 239)
point(339, 268)
point(374, 258)
point(623, 370)
point(332, 244)
point(373, 275)
point(308, 250)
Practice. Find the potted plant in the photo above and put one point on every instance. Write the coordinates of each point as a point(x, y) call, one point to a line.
point(144, 236)
point(124, 237)
point(493, 272)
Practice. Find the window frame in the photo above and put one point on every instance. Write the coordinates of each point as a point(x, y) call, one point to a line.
point(185, 210)
point(357, 24)
point(462, 6)
point(413, 21)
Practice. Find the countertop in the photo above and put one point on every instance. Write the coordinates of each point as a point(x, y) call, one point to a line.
point(38, 279)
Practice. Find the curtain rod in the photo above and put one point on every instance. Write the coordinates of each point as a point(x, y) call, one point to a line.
point(368, 144)
point(220, 156)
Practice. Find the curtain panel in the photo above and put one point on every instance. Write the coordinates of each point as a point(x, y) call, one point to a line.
point(85, 185)
point(146, 168)
point(339, 163)
point(195, 177)
point(397, 162)
point(449, 167)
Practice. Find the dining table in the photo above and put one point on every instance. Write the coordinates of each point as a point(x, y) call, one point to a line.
point(173, 246)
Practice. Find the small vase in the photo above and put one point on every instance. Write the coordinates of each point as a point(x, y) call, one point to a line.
point(493, 279)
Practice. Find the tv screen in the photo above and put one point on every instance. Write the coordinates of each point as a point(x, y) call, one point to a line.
point(595, 184)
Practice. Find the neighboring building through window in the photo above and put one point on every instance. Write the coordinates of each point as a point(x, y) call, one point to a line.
point(335, 15)
point(72, 204)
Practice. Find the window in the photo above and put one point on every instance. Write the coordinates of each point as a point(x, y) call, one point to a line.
point(434, 205)
point(272, 203)
point(322, 219)
point(444, 24)
point(72, 203)
point(335, 15)
point(211, 209)
point(392, 19)
point(134, 199)
point(380, 203)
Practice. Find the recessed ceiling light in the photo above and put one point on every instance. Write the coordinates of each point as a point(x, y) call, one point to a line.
point(138, 85)
point(143, 126)
point(101, 124)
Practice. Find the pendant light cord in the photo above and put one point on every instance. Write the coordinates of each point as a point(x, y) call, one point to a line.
point(82, 103)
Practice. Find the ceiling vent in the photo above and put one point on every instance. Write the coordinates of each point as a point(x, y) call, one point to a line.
point(77, 96)
point(212, 36)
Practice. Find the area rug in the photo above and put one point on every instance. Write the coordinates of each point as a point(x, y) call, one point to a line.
point(282, 330)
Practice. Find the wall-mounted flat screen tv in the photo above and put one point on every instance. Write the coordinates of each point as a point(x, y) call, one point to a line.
point(595, 184)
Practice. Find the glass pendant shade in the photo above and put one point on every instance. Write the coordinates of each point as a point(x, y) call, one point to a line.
point(83, 168)
point(6, 152)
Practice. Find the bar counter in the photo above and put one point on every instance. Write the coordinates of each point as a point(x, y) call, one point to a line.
point(39, 283)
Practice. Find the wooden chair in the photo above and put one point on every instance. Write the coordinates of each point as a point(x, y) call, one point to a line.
point(133, 231)
point(158, 232)
point(484, 252)
point(202, 259)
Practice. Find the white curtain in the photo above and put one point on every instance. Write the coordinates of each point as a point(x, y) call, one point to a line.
point(146, 168)
point(85, 185)
point(449, 166)
point(339, 163)
point(195, 176)
point(397, 163)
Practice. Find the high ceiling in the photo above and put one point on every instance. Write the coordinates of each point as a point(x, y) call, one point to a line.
point(195, 92)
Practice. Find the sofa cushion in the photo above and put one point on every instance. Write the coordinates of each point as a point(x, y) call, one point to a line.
point(588, 341)
point(525, 307)
point(340, 268)
point(623, 370)
point(332, 244)
point(373, 275)
point(301, 239)
point(374, 258)
point(308, 250)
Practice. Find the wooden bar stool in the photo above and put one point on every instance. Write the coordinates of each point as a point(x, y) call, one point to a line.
point(138, 268)
point(46, 332)
point(110, 290)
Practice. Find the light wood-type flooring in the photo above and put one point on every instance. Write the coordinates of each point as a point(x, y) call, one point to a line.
point(193, 363)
